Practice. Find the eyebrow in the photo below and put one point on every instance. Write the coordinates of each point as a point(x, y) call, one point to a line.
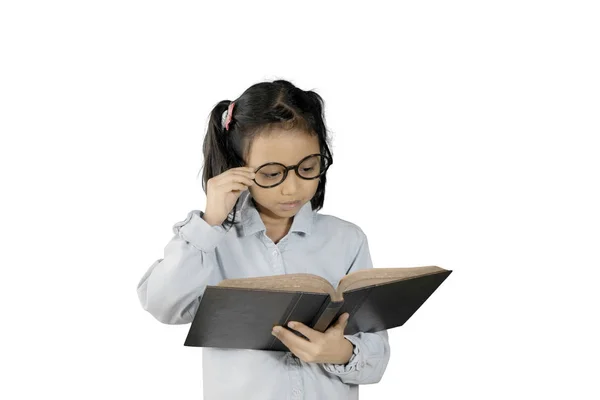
point(287, 165)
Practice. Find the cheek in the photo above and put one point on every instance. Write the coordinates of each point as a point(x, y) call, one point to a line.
point(253, 191)
point(272, 195)
point(309, 188)
point(262, 195)
point(313, 187)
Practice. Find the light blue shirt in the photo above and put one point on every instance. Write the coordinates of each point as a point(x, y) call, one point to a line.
point(200, 254)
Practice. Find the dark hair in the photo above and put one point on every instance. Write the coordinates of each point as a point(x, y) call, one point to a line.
point(262, 106)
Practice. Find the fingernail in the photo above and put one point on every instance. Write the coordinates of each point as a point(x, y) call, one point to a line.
point(275, 331)
point(291, 324)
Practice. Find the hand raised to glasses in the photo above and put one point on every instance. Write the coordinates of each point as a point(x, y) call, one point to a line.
point(223, 190)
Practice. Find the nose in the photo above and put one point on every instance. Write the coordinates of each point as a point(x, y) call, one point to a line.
point(290, 185)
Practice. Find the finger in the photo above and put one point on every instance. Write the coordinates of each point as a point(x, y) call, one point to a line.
point(244, 175)
point(237, 179)
point(251, 169)
point(234, 187)
point(341, 322)
point(231, 175)
point(293, 342)
point(310, 333)
point(228, 175)
point(242, 171)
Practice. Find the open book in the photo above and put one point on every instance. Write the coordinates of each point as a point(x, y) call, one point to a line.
point(240, 313)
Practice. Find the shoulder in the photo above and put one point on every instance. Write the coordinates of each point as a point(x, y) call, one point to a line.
point(332, 226)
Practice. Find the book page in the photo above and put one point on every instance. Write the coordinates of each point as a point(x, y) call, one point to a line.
point(289, 282)
point(375, 276)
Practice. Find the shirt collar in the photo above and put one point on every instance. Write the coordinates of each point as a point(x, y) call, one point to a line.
point(252, 223)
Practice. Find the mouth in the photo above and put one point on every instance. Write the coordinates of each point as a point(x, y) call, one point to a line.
point(290, 205)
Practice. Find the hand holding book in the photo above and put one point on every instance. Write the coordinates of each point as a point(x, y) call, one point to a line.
point(319, 347)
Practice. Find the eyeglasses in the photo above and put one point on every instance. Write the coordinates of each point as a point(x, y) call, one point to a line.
point(310, 167)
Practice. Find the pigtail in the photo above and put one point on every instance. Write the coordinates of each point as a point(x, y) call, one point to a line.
point(214, 148)
point(217, 151)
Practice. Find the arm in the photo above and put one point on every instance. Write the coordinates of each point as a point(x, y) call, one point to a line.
point(171, 287)
point(371, 350)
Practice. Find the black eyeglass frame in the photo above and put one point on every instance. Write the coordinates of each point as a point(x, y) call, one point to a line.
point(286, 169)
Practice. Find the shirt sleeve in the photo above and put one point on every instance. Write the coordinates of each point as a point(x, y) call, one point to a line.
point(199, 233)
point(368, 361)
point(170, 289)
point(371, 351)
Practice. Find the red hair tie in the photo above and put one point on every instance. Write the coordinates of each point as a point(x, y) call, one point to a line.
point(229, 114)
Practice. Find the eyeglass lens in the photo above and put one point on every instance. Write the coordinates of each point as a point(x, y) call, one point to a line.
point(310, 168)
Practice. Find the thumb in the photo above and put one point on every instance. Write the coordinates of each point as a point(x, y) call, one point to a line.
point(342, 321)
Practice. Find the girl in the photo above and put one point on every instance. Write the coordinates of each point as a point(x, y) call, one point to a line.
point(266, 155)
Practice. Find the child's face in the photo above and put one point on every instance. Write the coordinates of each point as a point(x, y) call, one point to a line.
point(287, 147)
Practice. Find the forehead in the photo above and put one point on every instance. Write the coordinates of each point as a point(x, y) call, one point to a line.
point(283, 146)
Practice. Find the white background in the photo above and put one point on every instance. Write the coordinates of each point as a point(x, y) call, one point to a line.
point(465, 135)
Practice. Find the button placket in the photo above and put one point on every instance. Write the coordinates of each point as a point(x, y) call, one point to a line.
point(276, 260)
point(295, 377)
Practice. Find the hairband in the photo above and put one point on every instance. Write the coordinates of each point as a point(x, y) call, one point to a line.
point(226, 117)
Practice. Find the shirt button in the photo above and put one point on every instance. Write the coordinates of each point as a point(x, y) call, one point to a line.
point(275, 252)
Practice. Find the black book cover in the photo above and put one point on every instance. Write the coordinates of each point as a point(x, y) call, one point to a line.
point(243, 318)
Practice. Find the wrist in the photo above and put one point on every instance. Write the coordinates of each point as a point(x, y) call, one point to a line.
point(210, 220)
point(348, 351)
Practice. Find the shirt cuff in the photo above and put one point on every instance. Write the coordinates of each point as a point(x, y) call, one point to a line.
point(199, 233)
point(355, 363)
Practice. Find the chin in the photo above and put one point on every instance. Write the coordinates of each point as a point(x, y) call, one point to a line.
point(276, 209)
point(286, 213)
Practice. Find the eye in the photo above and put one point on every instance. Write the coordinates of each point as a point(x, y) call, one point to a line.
point(271, 175)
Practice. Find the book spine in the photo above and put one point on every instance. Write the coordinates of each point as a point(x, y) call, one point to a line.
point(328, 312)
point(286, 315)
